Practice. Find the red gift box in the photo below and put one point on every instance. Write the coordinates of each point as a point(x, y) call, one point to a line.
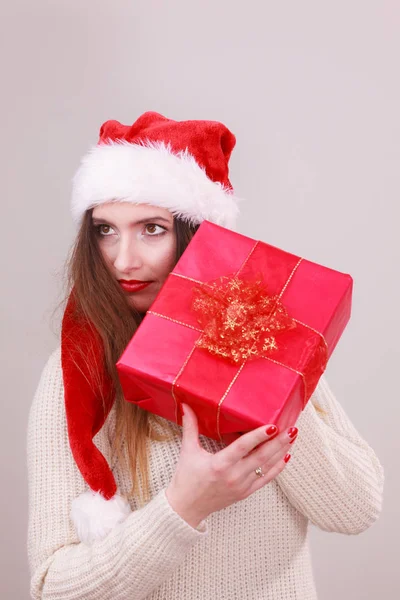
point(241, 331)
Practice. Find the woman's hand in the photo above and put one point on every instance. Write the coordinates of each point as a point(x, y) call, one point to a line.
point(204, 483)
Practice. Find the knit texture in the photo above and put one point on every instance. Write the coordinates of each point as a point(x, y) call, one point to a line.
point(255, 549)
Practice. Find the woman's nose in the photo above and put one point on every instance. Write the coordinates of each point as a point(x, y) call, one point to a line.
point(128, 257)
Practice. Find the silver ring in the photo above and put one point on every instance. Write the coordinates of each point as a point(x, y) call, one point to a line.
point(259, 472)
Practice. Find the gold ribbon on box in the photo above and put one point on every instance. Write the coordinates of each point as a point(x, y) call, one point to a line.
point(241, 321)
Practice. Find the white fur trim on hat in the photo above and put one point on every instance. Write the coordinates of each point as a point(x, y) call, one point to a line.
point(94, 516)
point(151, 174)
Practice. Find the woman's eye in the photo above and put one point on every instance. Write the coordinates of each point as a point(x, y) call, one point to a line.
point(104, 230)
point(151, 229)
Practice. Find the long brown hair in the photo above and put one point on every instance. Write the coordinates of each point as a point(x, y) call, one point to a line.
point(100, 300)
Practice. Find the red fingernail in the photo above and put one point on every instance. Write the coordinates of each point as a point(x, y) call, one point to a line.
point(292, 432)
point(287, 458)
point(272, 429)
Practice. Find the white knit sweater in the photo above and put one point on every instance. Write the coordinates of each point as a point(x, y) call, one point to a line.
point(255, 549)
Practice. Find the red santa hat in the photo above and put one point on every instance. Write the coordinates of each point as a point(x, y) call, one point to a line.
point(178, 165)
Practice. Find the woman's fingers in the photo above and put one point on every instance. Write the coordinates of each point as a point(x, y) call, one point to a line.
point(269, 475)
point(228, 438)
point(268, 453)
point(190, 429)
point(241, 447)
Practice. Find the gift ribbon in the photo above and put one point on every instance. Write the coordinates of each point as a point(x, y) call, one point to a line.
point(308, 378)
point(240, 319)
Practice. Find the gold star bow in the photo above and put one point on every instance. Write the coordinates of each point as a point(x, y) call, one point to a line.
point(240, 319)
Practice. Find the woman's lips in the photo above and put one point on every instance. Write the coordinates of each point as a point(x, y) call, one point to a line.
point(133, 286)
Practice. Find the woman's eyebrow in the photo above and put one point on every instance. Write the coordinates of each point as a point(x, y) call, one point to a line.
point(97, 220)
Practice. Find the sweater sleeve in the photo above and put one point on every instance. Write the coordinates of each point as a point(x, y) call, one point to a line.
point(334, 477)
point(135, 557)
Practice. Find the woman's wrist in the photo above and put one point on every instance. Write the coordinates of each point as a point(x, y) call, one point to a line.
point(186, 512)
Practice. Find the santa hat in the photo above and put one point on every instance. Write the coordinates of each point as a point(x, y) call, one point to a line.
point(178, 165)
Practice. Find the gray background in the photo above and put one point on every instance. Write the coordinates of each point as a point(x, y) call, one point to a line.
point(311, 89)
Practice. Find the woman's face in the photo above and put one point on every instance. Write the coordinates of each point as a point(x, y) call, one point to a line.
point(138, 243)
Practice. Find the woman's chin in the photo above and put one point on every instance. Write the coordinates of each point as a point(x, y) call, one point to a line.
point(142, 300)
point(142, 305)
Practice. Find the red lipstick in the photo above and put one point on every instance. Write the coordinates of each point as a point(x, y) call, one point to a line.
point(133, 285)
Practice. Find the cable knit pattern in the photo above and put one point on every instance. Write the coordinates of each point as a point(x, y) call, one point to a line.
point(254, 549)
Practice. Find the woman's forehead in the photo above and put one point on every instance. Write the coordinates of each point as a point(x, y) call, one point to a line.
point(127, 211)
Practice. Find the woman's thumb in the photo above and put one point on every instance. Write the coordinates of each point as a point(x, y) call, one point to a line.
point(190, 429)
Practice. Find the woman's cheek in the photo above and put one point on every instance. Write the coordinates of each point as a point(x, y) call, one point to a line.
point(167, 256)
point(108, 250)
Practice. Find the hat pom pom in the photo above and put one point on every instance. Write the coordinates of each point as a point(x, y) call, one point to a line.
point(94, 516)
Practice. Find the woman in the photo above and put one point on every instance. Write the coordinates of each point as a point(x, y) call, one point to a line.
point(169, 514)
